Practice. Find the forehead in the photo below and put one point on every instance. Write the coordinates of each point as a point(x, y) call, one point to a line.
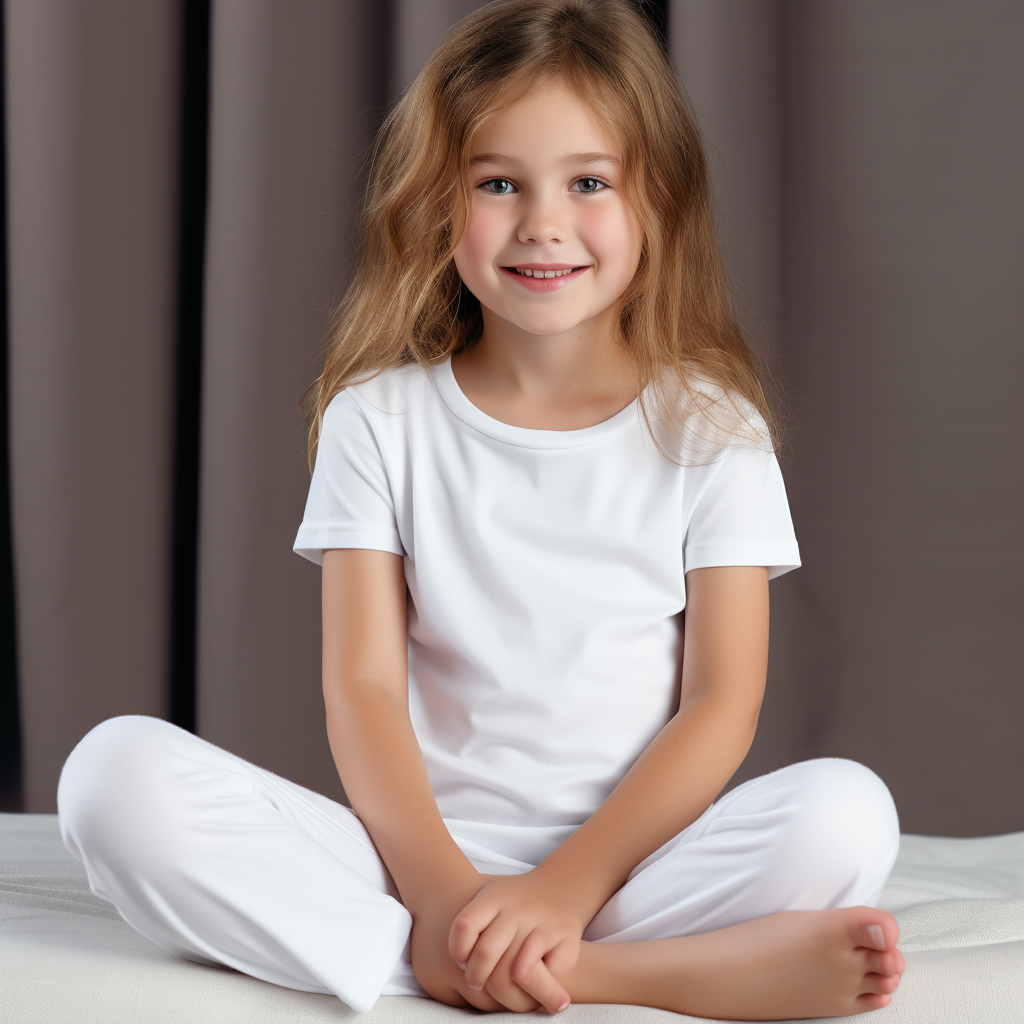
point(548, 121)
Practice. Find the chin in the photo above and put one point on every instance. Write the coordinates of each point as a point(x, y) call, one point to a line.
point(548, 326)
point(552, 330)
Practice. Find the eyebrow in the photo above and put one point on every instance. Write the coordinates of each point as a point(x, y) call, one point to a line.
point(570, 158)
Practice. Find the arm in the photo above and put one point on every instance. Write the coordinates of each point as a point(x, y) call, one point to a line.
point(365, 680)
point(670, 785)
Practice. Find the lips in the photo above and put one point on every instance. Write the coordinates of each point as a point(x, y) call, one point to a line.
point(548, 270)
point(544, 284)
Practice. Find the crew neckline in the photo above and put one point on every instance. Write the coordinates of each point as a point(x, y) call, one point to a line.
point(524, 437)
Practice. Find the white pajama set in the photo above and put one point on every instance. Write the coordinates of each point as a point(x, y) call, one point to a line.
point(546, 579)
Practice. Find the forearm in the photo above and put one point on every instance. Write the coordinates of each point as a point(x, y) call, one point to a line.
point(671, 784)
point(382, 769)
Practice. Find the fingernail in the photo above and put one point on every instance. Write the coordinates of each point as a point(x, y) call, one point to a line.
point(476, 988)
point(462, 966)
point(876, 935)
point(563, 1007)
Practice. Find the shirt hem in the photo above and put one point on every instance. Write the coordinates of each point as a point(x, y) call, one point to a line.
point(778, 558)
point(312, 541)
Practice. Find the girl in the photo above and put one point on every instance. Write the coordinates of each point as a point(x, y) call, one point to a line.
point(538, 437)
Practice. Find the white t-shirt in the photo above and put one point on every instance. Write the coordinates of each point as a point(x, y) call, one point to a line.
point(546, 581)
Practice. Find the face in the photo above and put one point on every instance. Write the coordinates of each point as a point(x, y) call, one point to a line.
point(546, 195)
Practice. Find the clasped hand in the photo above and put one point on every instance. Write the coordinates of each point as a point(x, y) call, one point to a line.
point(515, 938)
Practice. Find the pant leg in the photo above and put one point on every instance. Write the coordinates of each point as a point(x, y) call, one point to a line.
point(811, 836)
point(219, 861)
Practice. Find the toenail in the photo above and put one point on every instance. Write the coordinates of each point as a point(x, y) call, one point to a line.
point(876, 935)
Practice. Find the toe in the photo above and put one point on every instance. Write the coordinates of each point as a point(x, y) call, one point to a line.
point(889, 962)
point(879, 984)
point(875, 929)
point(872, 1001)
point(889, 984)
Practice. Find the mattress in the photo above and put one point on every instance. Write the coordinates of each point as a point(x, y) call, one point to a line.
point(66, 955)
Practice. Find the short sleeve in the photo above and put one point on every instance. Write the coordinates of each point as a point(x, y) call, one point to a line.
point(740, 515)
point(349, 503)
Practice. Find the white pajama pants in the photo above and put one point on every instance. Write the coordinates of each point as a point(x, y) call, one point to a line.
point(225, 863)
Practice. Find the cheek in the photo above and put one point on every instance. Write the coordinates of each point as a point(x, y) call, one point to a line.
point(481, 241)
point(615, 236)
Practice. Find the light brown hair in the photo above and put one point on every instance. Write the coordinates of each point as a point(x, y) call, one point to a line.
point(406, 302)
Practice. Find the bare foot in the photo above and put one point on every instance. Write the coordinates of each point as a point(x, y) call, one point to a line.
point(796, 964)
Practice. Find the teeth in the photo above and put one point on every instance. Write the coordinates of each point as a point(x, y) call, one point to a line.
point(543, 273)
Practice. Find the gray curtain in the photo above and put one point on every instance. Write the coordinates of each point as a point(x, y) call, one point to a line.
point(92, 119)
point(867, 160)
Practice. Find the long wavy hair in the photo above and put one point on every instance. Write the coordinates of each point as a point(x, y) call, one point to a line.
point(406, 302)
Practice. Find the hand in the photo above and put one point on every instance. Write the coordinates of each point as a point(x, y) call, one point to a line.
point(432, 962)
point(518, 934)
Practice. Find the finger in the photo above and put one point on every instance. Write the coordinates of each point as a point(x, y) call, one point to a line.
point(562, 957)
point(504, 989)
point(543, 987)
point(466, 929)
point(481, 1000)
point(530, 952)
point(494, 940)
point(450, 987)
point(512, 997)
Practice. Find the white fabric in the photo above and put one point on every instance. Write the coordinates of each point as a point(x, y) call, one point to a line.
point(66, 956)
point(546, 574)
point(222, 862)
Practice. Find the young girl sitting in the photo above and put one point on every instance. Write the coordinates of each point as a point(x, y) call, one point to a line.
point(538, 438)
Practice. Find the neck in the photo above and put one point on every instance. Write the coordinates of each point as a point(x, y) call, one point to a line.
point(547, 382)
point(578, 364)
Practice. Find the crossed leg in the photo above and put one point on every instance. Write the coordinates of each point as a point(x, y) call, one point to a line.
point(794, 964)
point(759, 910)
point(762, 909)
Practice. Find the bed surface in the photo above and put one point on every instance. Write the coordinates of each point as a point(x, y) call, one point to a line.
point(66, 956)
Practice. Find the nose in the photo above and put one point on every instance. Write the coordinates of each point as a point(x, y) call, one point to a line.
point(544, 219)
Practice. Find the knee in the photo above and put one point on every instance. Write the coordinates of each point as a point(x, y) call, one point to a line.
point(845, 826)
point(112, 781)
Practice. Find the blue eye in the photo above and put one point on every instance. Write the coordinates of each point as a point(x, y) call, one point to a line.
point(504, 187)
point(498, 181)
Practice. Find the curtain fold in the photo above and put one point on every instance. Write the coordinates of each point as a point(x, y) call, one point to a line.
point(902, 308)
point(92, 133)
point(866, 159)
point(728, 54)
point(295, 96)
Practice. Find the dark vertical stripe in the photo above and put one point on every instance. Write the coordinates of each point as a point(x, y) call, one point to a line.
point(10, 729)
point(191, 248)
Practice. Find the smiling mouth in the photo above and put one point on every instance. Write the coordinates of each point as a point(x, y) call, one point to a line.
point(545, 273)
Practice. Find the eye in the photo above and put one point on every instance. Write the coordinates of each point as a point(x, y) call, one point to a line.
point(590, 185)
point(500, 191)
